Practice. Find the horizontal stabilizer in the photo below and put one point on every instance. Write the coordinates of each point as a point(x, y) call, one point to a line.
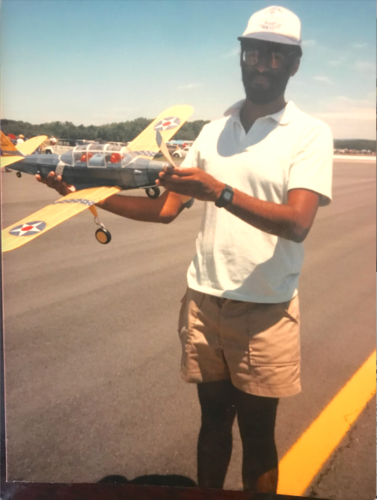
point(8, 160)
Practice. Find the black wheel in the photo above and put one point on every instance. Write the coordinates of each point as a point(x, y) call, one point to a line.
point(103, 236)
point(48, 152)
point(19, 174)
point(153, 192)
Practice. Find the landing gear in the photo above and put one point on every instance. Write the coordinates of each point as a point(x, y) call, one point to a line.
point(19, 175)
point(153, 192)
point(103, 236)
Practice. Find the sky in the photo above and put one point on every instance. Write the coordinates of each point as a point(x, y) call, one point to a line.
point(96, 61)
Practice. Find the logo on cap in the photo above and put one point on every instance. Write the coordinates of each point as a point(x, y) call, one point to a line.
point(270, 25)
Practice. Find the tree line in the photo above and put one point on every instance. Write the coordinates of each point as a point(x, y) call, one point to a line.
point(117, 132)
point(127, 131)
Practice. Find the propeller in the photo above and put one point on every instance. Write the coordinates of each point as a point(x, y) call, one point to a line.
point(165, 151)
point(163, 148)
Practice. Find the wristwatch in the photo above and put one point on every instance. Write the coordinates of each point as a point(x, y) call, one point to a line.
point(226, 197)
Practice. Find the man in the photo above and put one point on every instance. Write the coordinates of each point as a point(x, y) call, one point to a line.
point(262, 170)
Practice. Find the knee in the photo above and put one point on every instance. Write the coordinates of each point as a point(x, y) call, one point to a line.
point(217, 404)
point(218, 417)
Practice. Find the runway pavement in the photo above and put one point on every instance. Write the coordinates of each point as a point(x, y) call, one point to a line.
point(92, 351)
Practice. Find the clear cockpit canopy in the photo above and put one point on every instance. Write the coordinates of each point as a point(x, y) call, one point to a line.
point(99, 155)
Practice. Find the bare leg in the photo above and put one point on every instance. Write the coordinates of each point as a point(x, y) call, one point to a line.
point(256, 419)
point(217, 401)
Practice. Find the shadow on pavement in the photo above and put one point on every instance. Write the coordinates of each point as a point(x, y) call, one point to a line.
point(152, 480)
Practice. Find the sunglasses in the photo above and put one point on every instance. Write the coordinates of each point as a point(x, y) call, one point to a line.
point(274, 57)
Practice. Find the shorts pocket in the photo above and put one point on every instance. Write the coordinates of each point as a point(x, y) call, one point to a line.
point(274, 334)
point(292, 309)
point(278, 380)
point(196, 300)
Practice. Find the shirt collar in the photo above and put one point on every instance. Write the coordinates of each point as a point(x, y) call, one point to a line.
point(283, 117)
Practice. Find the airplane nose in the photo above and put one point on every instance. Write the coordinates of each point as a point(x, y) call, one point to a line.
point(154, 168)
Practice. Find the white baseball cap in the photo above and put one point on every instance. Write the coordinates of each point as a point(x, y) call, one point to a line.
point(274, 24)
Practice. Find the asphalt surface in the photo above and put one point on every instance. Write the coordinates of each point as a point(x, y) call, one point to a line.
point(92, 352)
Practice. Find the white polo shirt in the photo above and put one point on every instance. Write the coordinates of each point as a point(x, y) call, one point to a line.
point(282, 151)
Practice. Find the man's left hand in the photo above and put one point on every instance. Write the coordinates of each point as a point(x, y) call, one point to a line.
point(191, 182)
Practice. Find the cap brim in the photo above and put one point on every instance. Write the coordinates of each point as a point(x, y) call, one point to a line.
point(271, 37)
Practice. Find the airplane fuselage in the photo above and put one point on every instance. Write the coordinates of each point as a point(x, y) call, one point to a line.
point(93, 165)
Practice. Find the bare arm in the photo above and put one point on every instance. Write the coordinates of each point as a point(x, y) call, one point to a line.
point(164, 209)
point(292, 220)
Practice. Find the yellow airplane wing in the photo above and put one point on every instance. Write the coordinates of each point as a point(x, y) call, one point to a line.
point(167, 123)
point(38, 223)
point(11, 154)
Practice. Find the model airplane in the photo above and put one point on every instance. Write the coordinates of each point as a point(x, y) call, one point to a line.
point(97, 171)
point(12, 154)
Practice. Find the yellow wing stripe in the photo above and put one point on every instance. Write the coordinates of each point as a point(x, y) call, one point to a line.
point(146, 141)
point(55, 214)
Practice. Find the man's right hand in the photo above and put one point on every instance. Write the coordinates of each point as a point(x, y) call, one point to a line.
point(56, 182)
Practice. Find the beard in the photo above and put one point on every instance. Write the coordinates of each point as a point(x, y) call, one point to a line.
point(259, 94)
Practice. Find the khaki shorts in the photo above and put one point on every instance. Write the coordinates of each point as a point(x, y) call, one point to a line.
point(256, 345)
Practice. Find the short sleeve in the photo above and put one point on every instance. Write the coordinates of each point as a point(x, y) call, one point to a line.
point(311, 165)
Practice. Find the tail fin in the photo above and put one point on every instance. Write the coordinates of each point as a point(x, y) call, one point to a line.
point(7, 147)
point(28, 147)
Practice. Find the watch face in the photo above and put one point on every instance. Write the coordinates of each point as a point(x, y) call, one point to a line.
point(228, 195)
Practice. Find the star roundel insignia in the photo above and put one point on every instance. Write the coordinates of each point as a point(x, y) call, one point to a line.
point(168, 123)
point(28, 229)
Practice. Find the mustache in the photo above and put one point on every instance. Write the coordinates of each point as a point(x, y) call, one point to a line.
point(270, 77)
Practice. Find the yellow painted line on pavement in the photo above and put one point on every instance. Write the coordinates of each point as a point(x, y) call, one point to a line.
point(305, 459)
